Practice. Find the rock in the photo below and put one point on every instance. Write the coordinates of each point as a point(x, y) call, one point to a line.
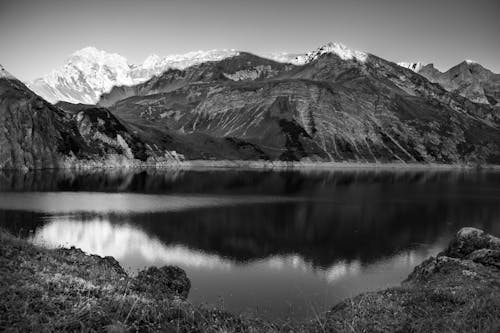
point(164, 282)
point(485, 257)
point(472, 253)
point(469, 240)
point(77, 256)
point(435, 266)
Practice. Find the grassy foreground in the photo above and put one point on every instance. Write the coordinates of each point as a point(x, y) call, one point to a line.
point(45, 290)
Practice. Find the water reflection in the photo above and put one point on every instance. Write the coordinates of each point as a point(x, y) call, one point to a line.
point(276, 241)
point(285, 274)
point(124, 242)
point(81, 202)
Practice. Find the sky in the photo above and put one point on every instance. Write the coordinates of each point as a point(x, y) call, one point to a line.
point(37, 36)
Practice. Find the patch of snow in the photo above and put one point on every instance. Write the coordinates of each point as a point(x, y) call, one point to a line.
point(283, 57)
point(339, 49)
point(414, 66)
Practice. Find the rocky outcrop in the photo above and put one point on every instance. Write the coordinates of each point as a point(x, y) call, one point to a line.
point(470, 243)
point(163, 282)
point(472, 251)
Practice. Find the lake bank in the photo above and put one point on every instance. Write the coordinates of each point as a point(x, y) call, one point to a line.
point(65, 289)
point(120, 162)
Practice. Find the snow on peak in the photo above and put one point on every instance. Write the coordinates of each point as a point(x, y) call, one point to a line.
point(155, 65)
point(414, 66)
point(92, 54)
point(339, 49)
point(282, 57)
point(151, 61)
point(470, 62)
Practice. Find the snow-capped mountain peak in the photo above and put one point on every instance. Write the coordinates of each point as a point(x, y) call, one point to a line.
point(339, 49)
point(414, 66)
point(87, 74)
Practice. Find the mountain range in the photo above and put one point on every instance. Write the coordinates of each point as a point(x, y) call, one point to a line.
point(468, 79)
point(90, 72)
point(330, 104)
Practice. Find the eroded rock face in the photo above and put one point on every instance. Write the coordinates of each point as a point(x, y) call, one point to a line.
point(163, 282)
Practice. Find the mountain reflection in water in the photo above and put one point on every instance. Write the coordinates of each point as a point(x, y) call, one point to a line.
point(280, 243)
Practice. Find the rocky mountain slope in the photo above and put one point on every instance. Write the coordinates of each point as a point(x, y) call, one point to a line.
point(340, 105)
point(468, 79)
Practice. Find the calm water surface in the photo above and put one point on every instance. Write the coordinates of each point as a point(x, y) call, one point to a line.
point(277, 244)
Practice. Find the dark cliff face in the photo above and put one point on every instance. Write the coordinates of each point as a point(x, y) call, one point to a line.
point(329, 109)
point(34, 134)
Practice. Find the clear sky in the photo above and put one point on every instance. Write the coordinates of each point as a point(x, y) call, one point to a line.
point(37, 36)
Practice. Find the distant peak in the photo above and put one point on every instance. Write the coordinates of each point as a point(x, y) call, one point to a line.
point(94, 54)
point(339, 49)
point(151, 61)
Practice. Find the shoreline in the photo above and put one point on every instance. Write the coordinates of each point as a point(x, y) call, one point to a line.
point(67, 290)
point(127, 164)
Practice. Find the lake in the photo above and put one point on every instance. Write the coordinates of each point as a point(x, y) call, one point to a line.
point(277, 244)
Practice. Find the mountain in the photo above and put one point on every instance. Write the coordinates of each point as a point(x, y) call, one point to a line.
point(468, 79)
point(89, 72)
point(338, 105)
point(332, 104)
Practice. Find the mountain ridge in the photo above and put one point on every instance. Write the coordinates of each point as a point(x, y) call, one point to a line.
point(90, 72)
point(468, 78)
point(98, 71)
